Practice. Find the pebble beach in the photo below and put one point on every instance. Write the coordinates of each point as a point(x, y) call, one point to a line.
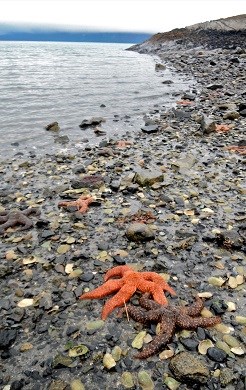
point(168, 198)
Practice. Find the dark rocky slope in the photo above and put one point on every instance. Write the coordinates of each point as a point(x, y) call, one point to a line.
point(227, 33)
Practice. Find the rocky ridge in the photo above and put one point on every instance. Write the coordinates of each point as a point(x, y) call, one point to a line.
point(227, 33)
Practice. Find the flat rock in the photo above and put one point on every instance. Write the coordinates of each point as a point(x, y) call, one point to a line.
point(148, 177)
point(208, 125)
point(213, 87)
point(7, 337)
point(94, 121)
point(139, 232)
point(149, 129)
point(188, 368)
point(90, 181)
point(52, 127)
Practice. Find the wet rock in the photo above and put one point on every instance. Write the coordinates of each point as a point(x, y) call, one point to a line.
point(5, 270)
point(181, 114)
point(213, 87)
point(171, 383)
point(127, 380)
point(62, 361)
point(17, 314)
point(231, 115)
point(145, 380)
point(148, 177)
point(230, 239)
point(90, 181)
point(52, 127)
point(87, 277)
point(208, 125)
point(63, 139)
point(79, 169)
point(139, 232)
point(188, 368)
point(76, 384)
point(58, 385)
point(149, 129)
point(168, 82)
point(108, 361)
point(190, 344)
point(219, 307)
point(17, 385)
point(160, 66)
point(72, 329)
point(106, 152)
point(94, 121)
point(7, 337)
point(216, 354)
point(226, 376)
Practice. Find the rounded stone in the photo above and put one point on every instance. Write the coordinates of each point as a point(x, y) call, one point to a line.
point(190, 344)
point(186, 367)
point(216, 354)
point(139, 232)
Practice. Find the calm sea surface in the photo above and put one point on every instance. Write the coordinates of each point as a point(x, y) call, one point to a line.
point(67, 82)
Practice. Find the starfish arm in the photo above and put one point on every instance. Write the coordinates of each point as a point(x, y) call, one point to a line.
point(147, 303)
point(195, 309)
point(5, 226)
point(119, 299)
point(100, 292)
point(31, 210)
point(27, 224)
point(160, 341)
point(83, 208)
point(155, 290)
point(143, 316)
point(83, 203)
point(186, 322)
point(120, 270)
point(155, 278)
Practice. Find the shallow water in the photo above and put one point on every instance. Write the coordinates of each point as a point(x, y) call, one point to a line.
point(66, 82)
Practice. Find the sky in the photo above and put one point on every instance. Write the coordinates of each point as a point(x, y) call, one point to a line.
point(117, 15)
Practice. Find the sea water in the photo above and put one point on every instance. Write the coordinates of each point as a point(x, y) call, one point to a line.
point(43, 82)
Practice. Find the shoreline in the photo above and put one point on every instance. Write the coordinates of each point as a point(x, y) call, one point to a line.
point(197, 241)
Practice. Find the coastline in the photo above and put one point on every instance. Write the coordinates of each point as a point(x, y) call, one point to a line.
point(197, 230)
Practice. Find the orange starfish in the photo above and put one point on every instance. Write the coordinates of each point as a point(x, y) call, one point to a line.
point(127, 285)
point(222, 128)
point(239, 149)
point(184, 102)
point(123, 144)
point(82, 203)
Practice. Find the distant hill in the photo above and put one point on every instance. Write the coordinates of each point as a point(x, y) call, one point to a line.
point(226, 33)
point(12, 33)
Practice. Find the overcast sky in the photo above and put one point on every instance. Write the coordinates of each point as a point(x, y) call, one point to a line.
point(121, 15)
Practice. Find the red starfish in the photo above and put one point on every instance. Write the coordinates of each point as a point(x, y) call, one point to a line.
point(82, 203)
point(127, 285)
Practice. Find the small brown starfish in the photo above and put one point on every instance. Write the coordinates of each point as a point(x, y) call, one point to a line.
point(170, 317)
point(127, 285)
point(16, 217)
point(82, 203)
